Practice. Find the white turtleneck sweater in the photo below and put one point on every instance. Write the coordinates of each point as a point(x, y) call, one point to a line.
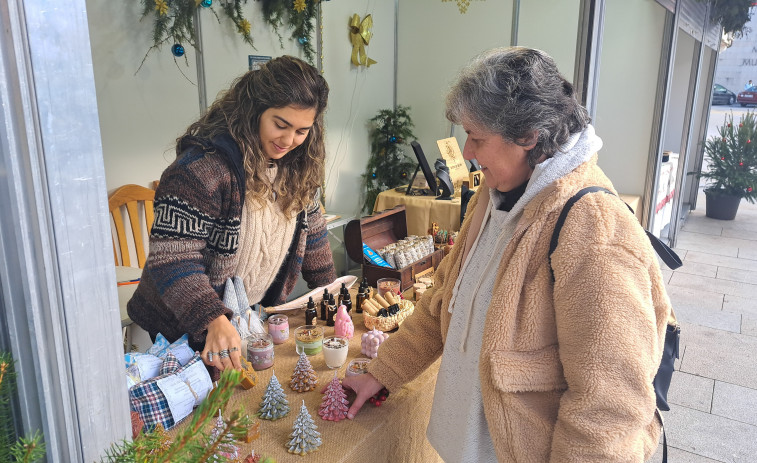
point(457, 428)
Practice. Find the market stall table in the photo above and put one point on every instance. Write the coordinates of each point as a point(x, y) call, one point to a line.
point(422, 210)
point(395, 431)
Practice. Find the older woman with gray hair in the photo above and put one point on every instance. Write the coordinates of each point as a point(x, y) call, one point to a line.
point(544, 357)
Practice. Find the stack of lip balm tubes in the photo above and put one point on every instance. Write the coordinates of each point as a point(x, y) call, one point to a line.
point(406, 251)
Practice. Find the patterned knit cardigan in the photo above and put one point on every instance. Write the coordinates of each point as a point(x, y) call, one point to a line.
point(194, 240)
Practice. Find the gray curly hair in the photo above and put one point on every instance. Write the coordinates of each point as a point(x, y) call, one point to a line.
point(514, 92)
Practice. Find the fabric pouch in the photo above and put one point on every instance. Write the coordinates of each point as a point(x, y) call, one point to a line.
point(171, 396)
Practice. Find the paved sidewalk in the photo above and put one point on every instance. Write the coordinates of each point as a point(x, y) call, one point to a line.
point(713, 416)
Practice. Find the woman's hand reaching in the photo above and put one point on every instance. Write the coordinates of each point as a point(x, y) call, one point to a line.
point(365, 386)
point(222, 345)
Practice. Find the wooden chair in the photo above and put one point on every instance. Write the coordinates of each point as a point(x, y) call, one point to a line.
point(129, 198)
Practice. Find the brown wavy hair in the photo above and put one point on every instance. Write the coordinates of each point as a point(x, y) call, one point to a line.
point(281, 82)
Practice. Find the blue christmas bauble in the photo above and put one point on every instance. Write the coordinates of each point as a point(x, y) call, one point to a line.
point(206, 3)
point(373, 175)
point(177, 50)
point(393, 139)
point(303, 40)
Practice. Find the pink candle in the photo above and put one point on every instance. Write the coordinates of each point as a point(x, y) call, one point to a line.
point(278, 328)
point(260, 351)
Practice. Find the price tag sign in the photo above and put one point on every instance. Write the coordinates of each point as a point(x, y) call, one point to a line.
point(451, 153)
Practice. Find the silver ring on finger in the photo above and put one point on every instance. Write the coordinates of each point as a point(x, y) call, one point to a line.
point(210, 357)
point(233, 349)
point(224, 354)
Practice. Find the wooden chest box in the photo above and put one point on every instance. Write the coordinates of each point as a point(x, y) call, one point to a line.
point(377, 231)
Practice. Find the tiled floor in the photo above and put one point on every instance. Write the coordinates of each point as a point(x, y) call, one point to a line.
point(713, 416)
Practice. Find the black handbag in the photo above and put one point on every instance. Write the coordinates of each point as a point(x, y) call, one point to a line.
point(664, 374)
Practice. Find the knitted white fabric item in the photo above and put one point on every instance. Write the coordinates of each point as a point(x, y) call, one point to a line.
point(264, 238)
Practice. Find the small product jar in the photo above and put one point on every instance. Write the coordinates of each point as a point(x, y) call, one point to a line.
point(308, 339)
point(260, 351)
point(335, 351)
point(357, 367)
point(384, 285)
point(278, 328)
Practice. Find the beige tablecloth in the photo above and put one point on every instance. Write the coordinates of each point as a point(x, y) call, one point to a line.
point(422, 210)
point(395, 431)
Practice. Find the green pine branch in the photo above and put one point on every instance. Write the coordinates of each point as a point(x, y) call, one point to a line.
point(25, 449)
point(281, 13)
point(194, 442)
point(177, 26)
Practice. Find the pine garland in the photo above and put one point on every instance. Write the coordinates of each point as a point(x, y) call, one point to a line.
point(174, 21)
point(732, 158)
point(297, 15)
point(388, 167)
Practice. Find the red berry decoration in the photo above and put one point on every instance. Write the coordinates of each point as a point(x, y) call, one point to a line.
point(741, 164)
point(379, 398)
point(729, 125)
point(722, 159)
point(724, 139)
point(749, 141)
point(741, 125)
point(749, 189)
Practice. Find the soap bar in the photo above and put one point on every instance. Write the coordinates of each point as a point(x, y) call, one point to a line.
point(249, 377)
point(374, 257)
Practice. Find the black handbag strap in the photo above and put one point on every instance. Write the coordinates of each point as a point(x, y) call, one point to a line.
point(667, 255)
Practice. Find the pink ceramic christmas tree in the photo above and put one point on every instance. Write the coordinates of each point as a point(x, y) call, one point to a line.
point(334, 405)
point(343, 323)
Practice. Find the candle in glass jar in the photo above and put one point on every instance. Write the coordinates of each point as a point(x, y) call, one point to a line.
point(357, 367)
point(335, 351)
point(260, 351)
point(308, 339)
point(278, 328)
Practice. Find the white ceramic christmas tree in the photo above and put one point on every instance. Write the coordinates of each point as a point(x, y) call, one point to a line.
point(274, 404)
point(304, 437)
point(334, 405)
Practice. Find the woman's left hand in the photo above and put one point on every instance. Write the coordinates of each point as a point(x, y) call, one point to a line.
point(223, 343)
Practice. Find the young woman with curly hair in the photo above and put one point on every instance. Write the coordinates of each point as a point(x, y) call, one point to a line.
point(239, 200)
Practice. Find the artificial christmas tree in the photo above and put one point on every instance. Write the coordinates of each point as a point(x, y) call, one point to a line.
point(274, 404)
point(391, 131)
point(731, 166)
point(334, 405)
point(304, 437)
point(304, 378)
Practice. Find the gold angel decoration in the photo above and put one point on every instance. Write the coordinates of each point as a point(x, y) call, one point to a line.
point(360, 36)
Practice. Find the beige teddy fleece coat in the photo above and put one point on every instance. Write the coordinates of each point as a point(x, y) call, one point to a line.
point(566, 369)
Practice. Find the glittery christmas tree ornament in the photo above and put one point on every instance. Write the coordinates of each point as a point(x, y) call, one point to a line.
point(334, 405)
point(304, 378)
point(274, 404)
point(304, 437)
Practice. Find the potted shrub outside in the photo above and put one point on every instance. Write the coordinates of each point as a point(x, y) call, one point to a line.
point(731, 166)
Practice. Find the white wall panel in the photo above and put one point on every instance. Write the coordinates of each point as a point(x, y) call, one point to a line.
point(627, 89)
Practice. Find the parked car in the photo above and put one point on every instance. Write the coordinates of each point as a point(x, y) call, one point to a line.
point(721, 95)
point(748, 96)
